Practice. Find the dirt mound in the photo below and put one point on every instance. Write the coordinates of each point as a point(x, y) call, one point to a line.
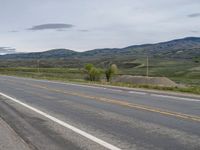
point(160, 81)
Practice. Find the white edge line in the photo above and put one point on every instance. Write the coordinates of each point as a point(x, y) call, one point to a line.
point(135, 92)
point(95, 87)
point(115, 90)
point(57, 82)
point(79, 85)
point(64, 124)
point(174, 97)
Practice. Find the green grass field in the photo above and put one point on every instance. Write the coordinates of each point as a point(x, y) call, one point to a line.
point(181, 71)
point(63, 74)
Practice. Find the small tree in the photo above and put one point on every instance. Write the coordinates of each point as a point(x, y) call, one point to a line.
point(93, 73)
point(87, 69)
point(110, 71)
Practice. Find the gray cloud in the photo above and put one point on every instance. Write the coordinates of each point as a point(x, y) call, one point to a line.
point(13, 31)
point(194, 31)
point(7, 50)
point(56, 26)
point(194, 15)
point(61, 30)
point(83, 30)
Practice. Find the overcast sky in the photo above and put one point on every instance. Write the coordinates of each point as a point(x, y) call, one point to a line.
point(38, 25)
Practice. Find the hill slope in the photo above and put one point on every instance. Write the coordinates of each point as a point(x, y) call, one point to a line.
point(185, 48)
point(55, 53)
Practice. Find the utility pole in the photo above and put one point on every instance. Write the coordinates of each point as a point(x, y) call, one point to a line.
point(147, 73)
point(38, 65)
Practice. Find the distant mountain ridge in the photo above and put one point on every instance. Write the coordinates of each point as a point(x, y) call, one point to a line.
point(185, 48)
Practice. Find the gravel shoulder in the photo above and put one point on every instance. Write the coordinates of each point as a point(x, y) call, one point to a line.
point(9, 140)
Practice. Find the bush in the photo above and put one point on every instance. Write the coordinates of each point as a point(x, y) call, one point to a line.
point(93, 73)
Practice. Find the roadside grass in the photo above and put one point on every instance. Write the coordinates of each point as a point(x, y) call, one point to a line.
point(185, 89)
point(76, 75)
point(61, 74)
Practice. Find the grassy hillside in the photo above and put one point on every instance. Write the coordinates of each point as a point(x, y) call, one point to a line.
point(178, 60)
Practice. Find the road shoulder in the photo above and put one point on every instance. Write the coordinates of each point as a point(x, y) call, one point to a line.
point(9, 140)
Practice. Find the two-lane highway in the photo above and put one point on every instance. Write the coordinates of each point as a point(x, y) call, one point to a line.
point(54, 115)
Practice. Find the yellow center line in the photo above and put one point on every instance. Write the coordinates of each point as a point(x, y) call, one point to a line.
point(40, 95)
point(122, 103)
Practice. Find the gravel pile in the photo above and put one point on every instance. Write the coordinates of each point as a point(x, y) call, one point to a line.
point(160, 81)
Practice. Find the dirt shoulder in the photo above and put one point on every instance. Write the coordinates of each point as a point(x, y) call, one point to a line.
point(9, 140)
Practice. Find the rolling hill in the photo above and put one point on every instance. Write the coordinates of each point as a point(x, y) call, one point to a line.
point(178, 60)
point(186, 48)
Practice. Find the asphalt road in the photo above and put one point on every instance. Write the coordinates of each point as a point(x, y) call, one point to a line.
point(58, 116)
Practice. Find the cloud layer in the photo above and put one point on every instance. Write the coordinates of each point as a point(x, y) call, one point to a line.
point(39, 25)
point(56, 26)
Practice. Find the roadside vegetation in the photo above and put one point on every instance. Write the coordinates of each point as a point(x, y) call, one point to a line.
point(95, 74)
point(110, 71)
point(92, 74)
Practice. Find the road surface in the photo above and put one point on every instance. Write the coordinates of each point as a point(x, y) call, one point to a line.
point(58, 116)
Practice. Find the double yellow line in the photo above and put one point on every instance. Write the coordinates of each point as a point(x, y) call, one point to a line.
point(122, 103)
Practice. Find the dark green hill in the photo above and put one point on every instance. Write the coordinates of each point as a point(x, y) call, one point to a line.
point(185, 48)
point(181, 49)
point(55, 53)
